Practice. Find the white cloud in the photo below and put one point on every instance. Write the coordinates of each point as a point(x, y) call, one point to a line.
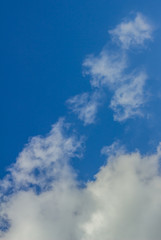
point(129, 98)
point(42, 159)
point(109, 70)
point(40, 196)
point(122, 203)
point(128, 195)
point(127, 88)
point(85, 106)
point(106, 69)
point(132, 32)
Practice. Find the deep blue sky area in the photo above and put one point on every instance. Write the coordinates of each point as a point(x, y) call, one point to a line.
point(43, 45)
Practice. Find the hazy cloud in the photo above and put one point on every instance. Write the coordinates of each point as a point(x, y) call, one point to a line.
point(110, 69)
point(132, 32)
point(85, 106)
point(129, 97)
point(110, 72)
point(106, 69)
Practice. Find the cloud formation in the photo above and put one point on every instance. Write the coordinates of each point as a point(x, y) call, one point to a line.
point(134, 32)
point(128, 198)
point(128, 88)
point(38, 163)
point(38, 192)
point(122, 203)
point(85, 105)
point(41, 196)
point(129, 97)
point(106, 69)
point(110, 70)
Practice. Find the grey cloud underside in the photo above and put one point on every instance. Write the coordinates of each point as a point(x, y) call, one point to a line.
point(122, 203)
point(110, 70)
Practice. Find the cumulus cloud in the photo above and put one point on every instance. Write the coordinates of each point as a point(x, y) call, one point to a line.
point(122, 203)
point(85, 106)
point(128, 196)
point(132, 32)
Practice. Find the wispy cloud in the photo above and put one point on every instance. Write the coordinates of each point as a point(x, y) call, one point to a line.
point(125, 192)
point(134, 32)
point(110, 70)
point(129, 97)
point(105, 69)
point(127, 88)
point(85, 106)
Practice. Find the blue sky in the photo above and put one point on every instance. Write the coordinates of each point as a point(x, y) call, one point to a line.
point(94, 64)
point(43, 46)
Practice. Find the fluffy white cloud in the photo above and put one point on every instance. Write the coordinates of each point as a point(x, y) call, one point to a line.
point(127, 192)
point(122, 203)
point(85, 106)
point(132, 32)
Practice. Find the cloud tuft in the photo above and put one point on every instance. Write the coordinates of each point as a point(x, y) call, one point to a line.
point(132, 32)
